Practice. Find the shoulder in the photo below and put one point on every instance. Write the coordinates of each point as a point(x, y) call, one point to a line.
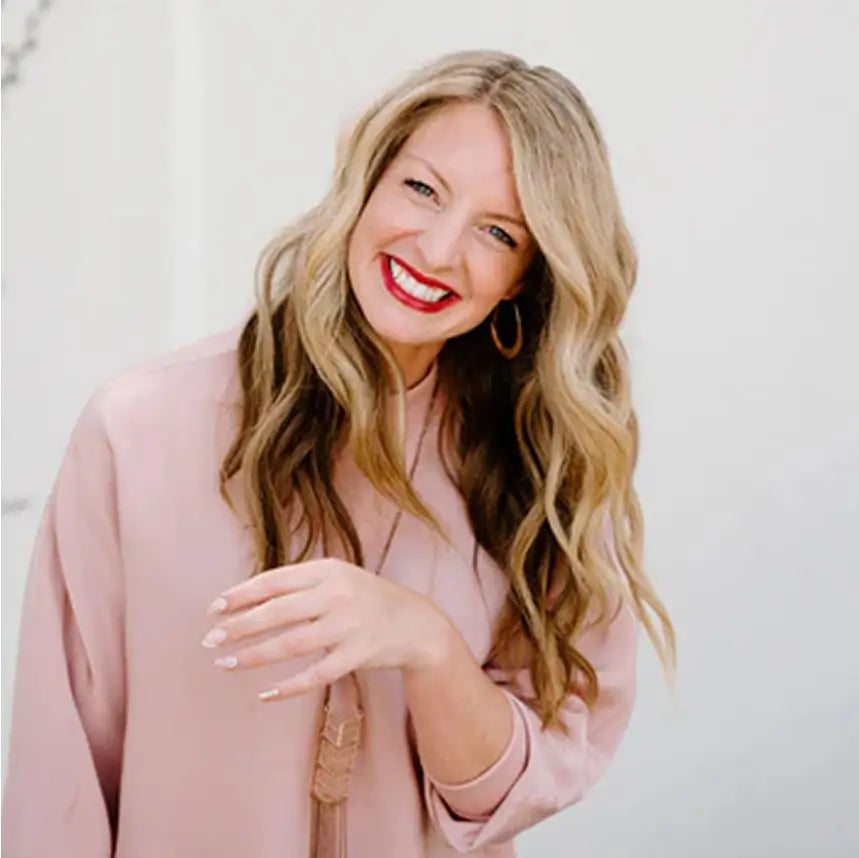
point(175, 387)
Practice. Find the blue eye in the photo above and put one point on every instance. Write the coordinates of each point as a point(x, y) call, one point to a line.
point(419, 187)
point(497, 232)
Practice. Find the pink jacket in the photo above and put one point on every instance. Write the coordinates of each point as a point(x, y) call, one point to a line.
point(126, 740)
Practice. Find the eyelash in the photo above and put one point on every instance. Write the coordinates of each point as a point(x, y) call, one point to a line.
point(503, 236)
point(419, 187)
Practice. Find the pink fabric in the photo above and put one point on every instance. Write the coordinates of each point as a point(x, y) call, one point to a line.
point(127, 741)
point(478, 798)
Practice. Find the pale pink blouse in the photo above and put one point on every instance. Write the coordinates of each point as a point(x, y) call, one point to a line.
point(127, 741)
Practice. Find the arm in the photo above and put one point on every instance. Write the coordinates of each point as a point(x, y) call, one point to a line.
point(61, 791)
point(538, 772)
point(466, 728)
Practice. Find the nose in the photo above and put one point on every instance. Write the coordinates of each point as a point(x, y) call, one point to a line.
point(440, 242)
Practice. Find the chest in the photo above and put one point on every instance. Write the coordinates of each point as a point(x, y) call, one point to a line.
point(445, 570)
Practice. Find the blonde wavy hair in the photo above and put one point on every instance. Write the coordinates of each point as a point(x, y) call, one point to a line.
point(552, 470)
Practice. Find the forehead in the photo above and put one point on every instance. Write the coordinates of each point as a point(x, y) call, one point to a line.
point(468, 145)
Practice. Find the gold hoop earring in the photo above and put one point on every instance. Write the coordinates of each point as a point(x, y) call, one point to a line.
point(508, 351)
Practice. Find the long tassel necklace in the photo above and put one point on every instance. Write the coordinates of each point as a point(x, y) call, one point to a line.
point(340, 735)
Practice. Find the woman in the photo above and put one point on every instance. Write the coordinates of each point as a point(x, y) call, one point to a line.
point(405, 487)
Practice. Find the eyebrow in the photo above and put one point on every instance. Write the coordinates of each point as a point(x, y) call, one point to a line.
point(443, 182)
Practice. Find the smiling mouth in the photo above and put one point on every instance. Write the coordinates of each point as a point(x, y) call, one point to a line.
point(412, 292)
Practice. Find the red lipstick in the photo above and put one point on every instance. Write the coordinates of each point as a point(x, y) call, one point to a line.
point(412, 301)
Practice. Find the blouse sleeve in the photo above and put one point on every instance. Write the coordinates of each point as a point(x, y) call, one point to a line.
point(548, 770)
point(61, 793)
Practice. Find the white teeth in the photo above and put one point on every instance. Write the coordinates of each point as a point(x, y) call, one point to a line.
point(408, 284)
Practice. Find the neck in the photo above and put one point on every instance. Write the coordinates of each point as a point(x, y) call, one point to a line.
point(414, 361)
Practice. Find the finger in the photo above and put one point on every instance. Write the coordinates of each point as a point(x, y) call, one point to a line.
point(279, 611)
point(268, 584)
point(334, 666)
point(299, 640)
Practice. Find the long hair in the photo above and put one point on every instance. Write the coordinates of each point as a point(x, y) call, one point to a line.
point(542, 447)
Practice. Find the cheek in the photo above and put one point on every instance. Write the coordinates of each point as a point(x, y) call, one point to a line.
point(365, 238)
point(492, 277)
point(384, 219)
point(361, 234)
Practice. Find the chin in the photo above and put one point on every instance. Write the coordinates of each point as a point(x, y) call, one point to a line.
point(392, 322)
point(395, 331)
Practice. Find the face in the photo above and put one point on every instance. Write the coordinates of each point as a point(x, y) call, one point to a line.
point(442, 238)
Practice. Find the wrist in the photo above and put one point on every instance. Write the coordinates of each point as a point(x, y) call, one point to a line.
point(434, 646)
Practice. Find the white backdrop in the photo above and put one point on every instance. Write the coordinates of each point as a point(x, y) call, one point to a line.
point(150, 149)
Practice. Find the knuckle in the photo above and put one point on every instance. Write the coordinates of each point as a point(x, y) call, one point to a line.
point(275, 584)
point(293, 642)
point(299, 639)
point(332, 587)
point(266, 614)
point(320, 676)
point(262, 653)
point(241, 627)
point(270, 583)
point(248, 658)
point(339, 595)
point(344, 588)
point(330, 569)
point(289, 607)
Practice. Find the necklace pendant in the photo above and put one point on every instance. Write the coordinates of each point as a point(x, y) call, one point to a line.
point(339, 741)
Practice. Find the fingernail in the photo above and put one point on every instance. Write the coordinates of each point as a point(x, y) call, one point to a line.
point(228, 661)
point(214, 637)
point(267, 695)
point(217, 606)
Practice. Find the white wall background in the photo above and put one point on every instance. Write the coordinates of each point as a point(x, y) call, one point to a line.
point(151, 148)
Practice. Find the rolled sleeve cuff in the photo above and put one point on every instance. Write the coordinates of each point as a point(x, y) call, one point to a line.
point(478, 798)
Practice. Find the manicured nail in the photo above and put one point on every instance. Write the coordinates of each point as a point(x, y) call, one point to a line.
point(228, 661)
point(217, 606)
point(268, 695)
point(214, 637)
